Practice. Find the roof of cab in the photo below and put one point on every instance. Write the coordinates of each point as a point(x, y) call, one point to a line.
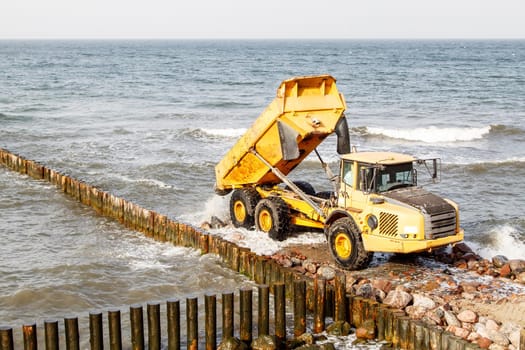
point(384, 158)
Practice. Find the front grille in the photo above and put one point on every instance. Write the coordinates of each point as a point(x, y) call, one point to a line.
point(443, 224)
point(388, 224)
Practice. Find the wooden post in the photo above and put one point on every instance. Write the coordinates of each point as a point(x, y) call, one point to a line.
point(115, 335)
point(192, 321)
point(51, 334)
point(234, 258)
point(259, 269)
point(173, 315)
point(96, 338)
point(246, 315)
point(357, 306)
point(136, 320)
point(153, 310)
point(522, 339)
point(381, 321)
point(280, 311)
point(435, 338)
point(30, 341)
point(244, 262)
point(227, 315)
point(210, 306)
point(299, 309)
point(72, 336)
point(264, 313)
point(319, 305)
point(6, 338)
point(340, 297)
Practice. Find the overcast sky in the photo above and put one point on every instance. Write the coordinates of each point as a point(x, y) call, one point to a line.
point(262, 19)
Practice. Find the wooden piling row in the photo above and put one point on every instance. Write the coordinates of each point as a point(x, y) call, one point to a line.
point(391, 325)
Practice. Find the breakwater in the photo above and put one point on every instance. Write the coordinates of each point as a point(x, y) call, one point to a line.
point(387, 324)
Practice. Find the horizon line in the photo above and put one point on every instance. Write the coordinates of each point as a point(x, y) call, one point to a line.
point(260, 39)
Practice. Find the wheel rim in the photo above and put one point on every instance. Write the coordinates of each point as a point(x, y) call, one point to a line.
point(265, 221)
point(343, 245)
point(239, 210)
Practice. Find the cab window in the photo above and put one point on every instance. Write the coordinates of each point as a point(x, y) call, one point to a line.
point(395, 176)
point(348, 173)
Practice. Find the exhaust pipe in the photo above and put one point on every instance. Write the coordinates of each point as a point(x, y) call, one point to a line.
point(343, 136)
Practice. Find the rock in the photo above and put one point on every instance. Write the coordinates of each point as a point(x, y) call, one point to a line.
point(498, 337)
point(495, 346)
point(512, 331)
point(473, 336)
point(296, 261)
point(309, 266)
point(520, 278)
point(339, 328)
point(483, 342)
point(366, 331)
point(499, 260)
point(302, 340)
point(416, 312)
point(326, 272)
point(380, 295)
point(491, 325)
point(423, 301)
point(327, 346)
point(451, 320)
point(430, 286)
point(505, 270)
point(517, 265)
point(232, 344)
point(265, 342)
point(462, 248)
point(365, 291)
point(467, 316)
point(382, 284)
point(458, 331)
point(398, 299)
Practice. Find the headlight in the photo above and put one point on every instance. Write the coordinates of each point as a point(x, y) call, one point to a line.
point(372, 222)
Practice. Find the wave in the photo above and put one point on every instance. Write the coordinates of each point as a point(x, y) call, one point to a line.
point(434, 134)
point(504, 240)
point(221, 132)
point(479, 167)
point(147, 182)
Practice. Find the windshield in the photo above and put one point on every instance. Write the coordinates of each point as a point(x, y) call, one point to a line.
point(395, 176)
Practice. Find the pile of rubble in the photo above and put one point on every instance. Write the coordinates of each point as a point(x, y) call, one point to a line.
point(458, 291)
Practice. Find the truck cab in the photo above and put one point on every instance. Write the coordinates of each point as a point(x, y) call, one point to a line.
point(380, 195)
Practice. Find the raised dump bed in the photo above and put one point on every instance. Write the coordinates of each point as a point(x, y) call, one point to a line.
point(305, 111)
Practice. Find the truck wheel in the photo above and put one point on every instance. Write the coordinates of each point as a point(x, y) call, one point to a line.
point(272, 215)
point(304, 186)
point(346, 245)
point(242, 207)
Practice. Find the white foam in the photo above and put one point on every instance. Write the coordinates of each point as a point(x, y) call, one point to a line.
point(226, 132)
point(260, 243)
point(433, 134)
point(504, 240)
point(146, 181)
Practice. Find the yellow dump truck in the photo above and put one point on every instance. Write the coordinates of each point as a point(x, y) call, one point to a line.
point(376, 204)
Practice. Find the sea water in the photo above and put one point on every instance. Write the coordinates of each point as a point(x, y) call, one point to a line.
point(148, 121)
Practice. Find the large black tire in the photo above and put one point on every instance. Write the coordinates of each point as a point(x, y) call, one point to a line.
point(272, 215)
point(304, 186)
point(346, 245)
point(242, 207)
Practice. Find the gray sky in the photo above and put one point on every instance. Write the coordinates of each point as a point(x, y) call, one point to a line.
point(262, 19)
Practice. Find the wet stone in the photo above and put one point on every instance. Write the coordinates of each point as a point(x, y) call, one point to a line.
point(499, 260)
